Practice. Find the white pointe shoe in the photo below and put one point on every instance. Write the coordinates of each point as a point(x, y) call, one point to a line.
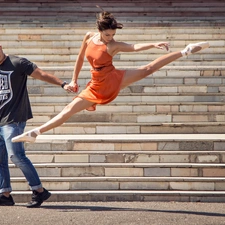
point(193, 48)
point(26, 137)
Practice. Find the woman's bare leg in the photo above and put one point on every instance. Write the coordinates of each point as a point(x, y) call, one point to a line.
point(77, 105)
point(132, 76)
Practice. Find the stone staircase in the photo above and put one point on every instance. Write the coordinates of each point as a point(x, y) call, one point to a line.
point(161, 139)
point(163, 167)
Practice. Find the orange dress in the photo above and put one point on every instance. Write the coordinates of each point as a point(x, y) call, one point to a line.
point(105, 81)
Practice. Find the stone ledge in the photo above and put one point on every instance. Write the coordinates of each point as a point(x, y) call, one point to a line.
point(126, 179)
point(132, 137)
point(113, 195)
point(116, 166)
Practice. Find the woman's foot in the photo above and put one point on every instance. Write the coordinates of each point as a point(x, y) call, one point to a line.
point(193, 48)
point(29, 136)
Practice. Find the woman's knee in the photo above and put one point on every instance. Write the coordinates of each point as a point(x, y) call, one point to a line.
point(147, 70)
point(77, 105)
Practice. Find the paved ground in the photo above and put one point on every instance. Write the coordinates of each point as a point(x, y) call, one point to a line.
point(115, 213)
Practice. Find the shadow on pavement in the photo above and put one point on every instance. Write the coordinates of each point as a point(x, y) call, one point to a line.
point(68, 208)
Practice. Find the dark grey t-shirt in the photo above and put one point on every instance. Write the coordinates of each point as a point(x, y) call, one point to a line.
point(14, 100)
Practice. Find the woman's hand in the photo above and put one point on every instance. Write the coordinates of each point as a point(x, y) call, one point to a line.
point(68, 88)
point(73, 87)
point(162, 45)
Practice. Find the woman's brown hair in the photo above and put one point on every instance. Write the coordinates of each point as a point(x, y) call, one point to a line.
point(106, 20)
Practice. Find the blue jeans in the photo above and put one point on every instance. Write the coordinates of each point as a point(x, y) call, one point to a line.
point(16, 152)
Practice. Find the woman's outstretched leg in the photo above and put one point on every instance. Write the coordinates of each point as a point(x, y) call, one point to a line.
point(75, 106)
point(132, 76)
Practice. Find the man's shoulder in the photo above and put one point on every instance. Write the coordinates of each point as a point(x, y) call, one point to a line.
point(14, 59)
point(18, 60)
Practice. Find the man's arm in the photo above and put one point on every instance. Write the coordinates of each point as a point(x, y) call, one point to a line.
point(47, 77)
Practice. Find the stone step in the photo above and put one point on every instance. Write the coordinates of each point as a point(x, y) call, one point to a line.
point(110, 3)
point(166, 76)
point(87, 13)
point(127, 19)
point(125, 169)
point(55, 53)
point(127, 60)
point(184, 71)
point(127, 64)
point(141, 8)
point(125, 183)
point(59, 156)
point(24, 21)
point(142, 98)
point(131, 12)
point(174, 33)
point(135, 128)
point(131, 142)
point(136, 107)
point(127, 195)
point(145, 11)
point(70, 43)
point(140, 117)
point(199, 89)
point(50, 38)
point(213, 60)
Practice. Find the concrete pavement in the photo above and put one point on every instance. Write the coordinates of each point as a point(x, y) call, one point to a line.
point(115, 213)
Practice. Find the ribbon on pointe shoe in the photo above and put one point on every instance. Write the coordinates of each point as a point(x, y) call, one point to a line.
point(193, 48)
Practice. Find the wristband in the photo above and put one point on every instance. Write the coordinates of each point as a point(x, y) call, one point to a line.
point(63, 84)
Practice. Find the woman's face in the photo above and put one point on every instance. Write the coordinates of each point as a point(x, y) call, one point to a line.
point(107, 35)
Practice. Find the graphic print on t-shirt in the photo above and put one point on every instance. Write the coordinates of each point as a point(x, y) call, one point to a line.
point(6, 93)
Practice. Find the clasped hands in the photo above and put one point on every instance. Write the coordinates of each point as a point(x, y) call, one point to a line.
point(71, 87)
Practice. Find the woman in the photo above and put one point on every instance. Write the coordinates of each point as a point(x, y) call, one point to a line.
point(106, 82)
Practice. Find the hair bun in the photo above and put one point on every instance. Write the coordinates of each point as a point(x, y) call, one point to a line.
point(106, 20)
point(106, 14)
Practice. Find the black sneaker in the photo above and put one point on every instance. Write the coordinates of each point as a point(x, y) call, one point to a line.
point(38, 198)
point(6, 201)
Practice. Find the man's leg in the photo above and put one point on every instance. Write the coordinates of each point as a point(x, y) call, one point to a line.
point(16, 153)
point(5, 186)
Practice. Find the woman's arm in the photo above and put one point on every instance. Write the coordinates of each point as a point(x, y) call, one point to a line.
point(80, 61)
point(124, 47)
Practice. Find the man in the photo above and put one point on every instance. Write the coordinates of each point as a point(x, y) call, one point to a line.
point(15, 110)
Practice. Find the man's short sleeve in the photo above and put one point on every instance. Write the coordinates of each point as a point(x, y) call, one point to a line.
point(27, 67)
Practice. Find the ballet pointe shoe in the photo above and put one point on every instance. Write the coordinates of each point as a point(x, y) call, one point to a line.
point(193, 48)
point(29, 136)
